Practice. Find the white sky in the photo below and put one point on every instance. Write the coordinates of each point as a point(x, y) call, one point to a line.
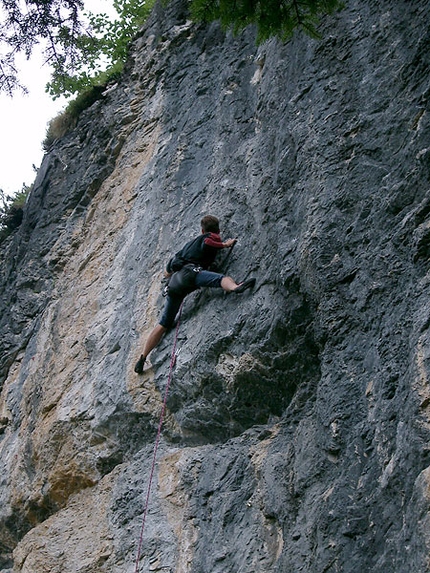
point(24, 119)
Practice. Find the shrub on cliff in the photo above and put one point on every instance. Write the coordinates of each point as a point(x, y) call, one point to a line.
point(66, 120)
point(11, 211)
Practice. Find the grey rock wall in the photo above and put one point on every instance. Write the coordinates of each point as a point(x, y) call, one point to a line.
point(297, 424)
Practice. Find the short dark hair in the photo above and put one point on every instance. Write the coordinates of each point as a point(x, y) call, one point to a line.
point(210, 224)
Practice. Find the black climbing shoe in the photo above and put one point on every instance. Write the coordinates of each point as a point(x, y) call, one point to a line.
point(245, 285)
point(139, 365)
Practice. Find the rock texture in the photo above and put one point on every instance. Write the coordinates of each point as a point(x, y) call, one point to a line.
point(298, 422)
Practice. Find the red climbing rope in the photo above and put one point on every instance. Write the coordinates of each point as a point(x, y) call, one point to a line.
point(157, 440)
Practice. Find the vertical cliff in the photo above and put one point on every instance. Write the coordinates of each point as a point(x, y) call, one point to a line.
point(298, 421)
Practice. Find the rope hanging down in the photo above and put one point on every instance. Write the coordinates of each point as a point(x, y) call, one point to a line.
point(157, 441)
point(160, 424)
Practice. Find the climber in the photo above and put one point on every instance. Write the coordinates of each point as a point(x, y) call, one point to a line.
point(187, 271)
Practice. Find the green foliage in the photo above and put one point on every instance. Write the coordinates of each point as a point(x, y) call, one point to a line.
point(108, 43)
point(79, 50)
point(53, 24)
point(11, 211)
point(271, 17)
point(106, 46)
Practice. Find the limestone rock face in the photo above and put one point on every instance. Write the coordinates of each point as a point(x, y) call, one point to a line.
point(297, 428)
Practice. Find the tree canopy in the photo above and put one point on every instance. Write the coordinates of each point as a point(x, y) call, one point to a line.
point(102, 48)
point(84, 50)
point(81, 48)
point(56, 24)
point(271, 17)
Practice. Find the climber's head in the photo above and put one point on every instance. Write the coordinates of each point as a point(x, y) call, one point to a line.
point(209, 224)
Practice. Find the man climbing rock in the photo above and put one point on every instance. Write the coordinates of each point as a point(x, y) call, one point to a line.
point(188, 271)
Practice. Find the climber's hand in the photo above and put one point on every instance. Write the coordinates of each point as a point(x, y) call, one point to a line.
point(229, 243)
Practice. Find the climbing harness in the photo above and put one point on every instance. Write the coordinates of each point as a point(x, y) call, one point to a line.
point(157, 440)
point(183, 282)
